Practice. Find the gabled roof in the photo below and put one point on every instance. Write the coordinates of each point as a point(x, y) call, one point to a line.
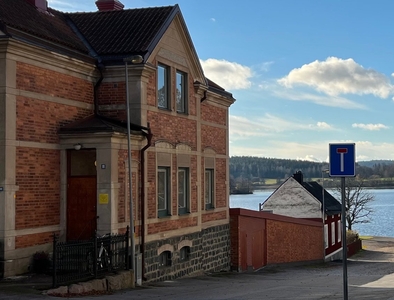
point(122, 32)
point(21, 20)
point(108, 34)
point(104, 35)
point(331, 205)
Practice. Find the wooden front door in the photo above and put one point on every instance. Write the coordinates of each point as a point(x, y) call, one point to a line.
point(81, 194)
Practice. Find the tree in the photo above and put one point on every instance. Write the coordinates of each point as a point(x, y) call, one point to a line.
point(357, 200)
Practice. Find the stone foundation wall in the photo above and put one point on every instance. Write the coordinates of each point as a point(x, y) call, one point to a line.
point(209, 252)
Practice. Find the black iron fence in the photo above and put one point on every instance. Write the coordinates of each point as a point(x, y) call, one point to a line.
point(83, 260)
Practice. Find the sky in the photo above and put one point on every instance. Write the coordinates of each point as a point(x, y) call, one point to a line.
point(305, 73)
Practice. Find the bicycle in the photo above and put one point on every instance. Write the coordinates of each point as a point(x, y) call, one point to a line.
point(103, 259)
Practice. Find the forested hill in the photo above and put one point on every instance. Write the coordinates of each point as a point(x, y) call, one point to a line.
point(260, 168)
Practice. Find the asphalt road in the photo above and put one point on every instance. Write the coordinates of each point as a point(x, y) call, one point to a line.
point(370, 276)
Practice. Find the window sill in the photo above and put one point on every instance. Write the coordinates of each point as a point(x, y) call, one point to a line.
point(184, 213)
point(163, 216)
point(182, 113)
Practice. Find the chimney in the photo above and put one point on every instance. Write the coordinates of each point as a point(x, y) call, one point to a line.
point(106, 5)
point(41, 5)
point(299, 177)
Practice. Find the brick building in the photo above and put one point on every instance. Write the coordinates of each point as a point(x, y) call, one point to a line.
point(64, 138)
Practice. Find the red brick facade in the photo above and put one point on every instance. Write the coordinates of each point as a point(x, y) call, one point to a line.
point(66, 146)
point(260, 238)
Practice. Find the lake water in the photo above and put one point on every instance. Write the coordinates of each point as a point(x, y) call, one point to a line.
point(382, 219)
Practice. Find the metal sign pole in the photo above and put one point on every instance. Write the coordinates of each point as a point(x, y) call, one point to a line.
point(344, 242)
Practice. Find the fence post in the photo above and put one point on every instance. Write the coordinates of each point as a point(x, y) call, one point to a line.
point(127, 248)
point(54, 258)
point(95, 254)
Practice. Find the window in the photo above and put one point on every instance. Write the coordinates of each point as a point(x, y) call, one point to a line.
point(183, 190)
point(163, 191)
point(333, 233)
point(165, 259)
point(181, 92)
point(209, 188)
point(184, 253)
point(163, 87)
point(339, 232)
point(325, 236)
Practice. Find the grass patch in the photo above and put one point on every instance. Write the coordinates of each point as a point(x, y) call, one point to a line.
point(270, 181)
point(365, 237)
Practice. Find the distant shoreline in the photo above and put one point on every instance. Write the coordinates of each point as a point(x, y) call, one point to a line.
point(274, 187)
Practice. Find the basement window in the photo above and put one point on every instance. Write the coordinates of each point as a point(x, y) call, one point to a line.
point(184, 253)
point(165, 259)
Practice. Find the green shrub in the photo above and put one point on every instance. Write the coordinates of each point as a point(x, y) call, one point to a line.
point(351, 236)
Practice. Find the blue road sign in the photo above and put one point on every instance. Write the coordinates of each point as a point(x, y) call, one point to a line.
point(342, 160)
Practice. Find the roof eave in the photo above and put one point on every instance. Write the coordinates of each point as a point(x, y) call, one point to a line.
point(48, 45)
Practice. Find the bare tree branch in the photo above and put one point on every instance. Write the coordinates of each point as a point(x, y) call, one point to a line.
point(357, 201)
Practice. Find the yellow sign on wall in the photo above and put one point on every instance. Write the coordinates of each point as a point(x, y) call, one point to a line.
point(103, 199)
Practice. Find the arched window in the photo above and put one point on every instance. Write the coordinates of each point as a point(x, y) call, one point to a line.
point(165, 259)
point(184, 253)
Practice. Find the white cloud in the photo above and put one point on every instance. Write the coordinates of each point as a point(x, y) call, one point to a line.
point(336, 76)
point(331, 101)
point(268, 125)
point(369, 126)
point(265, 66)
point(323, 125)
point(213, 19)
point(229, 75)
point(71, 5)
point(309, 158)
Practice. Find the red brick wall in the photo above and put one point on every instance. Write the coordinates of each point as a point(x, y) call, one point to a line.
point(213, 114)
point(291, 242)
point(123, 181)
point(166, 225)
point(213, 216)
point(29, 240)
point(214, 137)
point(286, 239)
point(113, 93)
point(235, 250)
point(51, 83)
point(151, 91)
point(151, 188)
point(37, 202)
point(173, 129)
point(39, 121)
point(221, 188)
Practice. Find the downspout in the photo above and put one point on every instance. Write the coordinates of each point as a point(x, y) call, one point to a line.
point(92, 53)
point(203, 98)
point(142, 199)
point(96, 89)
